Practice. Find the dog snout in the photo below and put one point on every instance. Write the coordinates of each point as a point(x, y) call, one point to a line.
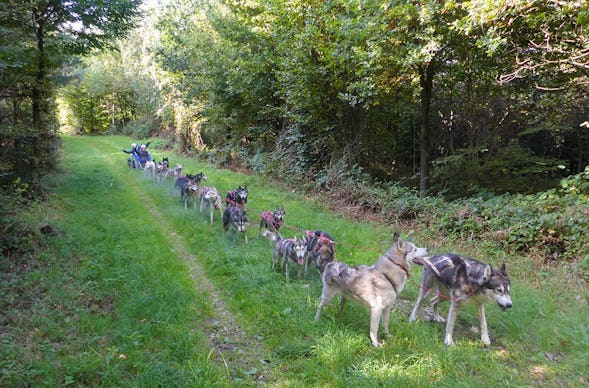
point(505, 304)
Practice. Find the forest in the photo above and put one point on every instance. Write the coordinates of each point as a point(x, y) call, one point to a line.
point(407, 92)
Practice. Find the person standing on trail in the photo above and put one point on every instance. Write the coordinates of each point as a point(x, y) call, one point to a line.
point(134, 161)
point(143, 155)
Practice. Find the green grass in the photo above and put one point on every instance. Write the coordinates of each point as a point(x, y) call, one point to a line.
point(116, 299)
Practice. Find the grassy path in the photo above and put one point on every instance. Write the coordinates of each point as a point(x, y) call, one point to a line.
point(221, 328)
point(135, 290)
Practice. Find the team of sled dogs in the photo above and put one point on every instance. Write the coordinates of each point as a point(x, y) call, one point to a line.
point(445, 277)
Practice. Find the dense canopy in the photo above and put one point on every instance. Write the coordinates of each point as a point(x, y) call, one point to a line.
point(394, 91)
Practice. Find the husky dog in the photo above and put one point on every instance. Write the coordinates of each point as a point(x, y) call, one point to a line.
point(173, 172)
point(209, 197)
point(161, 168)
point(272, 220)
point(376, 286)
point(462, 280)
point(237, 197)
point(188, 186)
point(321, 249)
point(150, 168)
point(288, 250)
point(236, 217)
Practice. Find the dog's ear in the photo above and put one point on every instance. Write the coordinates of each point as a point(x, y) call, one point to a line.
point(487, 274)
point(503, 269)
point(399, 241)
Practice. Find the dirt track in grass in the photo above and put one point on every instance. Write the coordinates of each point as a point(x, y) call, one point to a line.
point(240, 353)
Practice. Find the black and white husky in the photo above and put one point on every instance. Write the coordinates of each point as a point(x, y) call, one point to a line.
point(188, 186)
point(236, 218)
point(462, 280)
point(272, 220)
point(237, 197)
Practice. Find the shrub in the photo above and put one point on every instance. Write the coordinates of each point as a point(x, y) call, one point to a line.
point(17, 236)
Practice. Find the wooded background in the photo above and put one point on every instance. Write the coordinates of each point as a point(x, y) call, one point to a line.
point(451, 97)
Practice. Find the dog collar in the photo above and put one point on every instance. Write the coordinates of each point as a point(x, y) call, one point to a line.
point(400, 266)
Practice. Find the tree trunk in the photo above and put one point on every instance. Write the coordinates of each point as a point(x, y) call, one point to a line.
point(38, 99)
point(426, 76)
point(37, 96)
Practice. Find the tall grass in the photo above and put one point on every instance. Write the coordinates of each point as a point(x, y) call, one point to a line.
point(115, 301)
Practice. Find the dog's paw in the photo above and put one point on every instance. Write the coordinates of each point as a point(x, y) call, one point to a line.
point(448, 341)
point(439, 319)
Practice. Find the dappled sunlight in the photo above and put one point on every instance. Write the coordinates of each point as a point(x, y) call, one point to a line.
point(539, 372)
point(412, 369)
point(339, 350)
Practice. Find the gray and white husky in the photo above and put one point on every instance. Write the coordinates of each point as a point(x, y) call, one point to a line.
point(376, 286)
point(188, 186)
point(288, 251)
point(462, 280)
point(210, 198)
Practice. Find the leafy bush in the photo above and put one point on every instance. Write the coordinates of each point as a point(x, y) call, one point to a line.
point(139, 128)
point(577, 185)
point(17, 236)
point(289, 159)
point(551, 225)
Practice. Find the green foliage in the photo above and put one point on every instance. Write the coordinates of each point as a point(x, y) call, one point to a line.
point(548, 38)
point(512, 168)
point(36, 39)
point(551, 225)
point(19, 237)
point(310, 83)
point(576, 185)
point(26, 155)
point(290, 157)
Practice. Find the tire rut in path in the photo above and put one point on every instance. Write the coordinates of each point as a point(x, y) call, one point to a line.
point(241, 353)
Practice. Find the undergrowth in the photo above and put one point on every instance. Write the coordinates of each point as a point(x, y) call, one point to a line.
point(551, 225)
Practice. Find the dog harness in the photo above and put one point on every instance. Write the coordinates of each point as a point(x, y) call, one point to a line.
point(271, 220)
point(285, 241)
point(448, 263)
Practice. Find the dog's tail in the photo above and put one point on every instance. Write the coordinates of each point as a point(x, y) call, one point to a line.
point(271, 235)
